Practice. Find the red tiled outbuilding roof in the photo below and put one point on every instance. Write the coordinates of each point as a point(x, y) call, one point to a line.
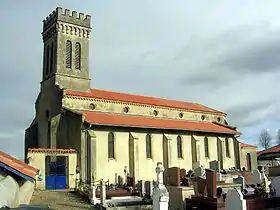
point(243, 145)
point(138, 99)
point(52, 150)
point(274, 149)
point(19, 166)
point(99, 118)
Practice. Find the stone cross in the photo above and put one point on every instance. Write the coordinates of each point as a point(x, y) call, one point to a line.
point(160, 193)
point(103, 192)
point(159, 171)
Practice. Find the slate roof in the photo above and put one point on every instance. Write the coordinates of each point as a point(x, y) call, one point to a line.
point(145, 100)
point(18, 167)
point(101, 118)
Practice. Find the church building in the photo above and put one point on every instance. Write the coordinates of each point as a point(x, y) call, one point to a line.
point(114, 131)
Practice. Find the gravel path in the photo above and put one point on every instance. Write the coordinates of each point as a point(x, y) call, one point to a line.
point(62, 199)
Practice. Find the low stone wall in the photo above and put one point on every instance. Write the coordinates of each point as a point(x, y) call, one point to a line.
point(11, 195)
point(9, 191)
point(26, 192)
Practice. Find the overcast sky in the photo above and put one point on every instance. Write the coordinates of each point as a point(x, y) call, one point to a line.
point(224, 54)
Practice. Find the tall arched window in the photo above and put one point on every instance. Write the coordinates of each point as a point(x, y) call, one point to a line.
point(206, 149)
point(78, 56)
point(227, 147)
point(68, 54)
point(51, 57)
point(111, 145)
point(179, 147)
point(148, 146)
point(47, 59)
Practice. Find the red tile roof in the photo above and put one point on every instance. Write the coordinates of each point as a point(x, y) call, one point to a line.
point(243, 145)
point(274, 149)
point(156, 123)
point(52, 150)
point(18, 165)
point(125, 97)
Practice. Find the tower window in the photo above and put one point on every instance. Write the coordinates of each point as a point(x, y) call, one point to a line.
point(78, 56)
point(51, 57)
point(47, 59)
point(68, 54)
point(148, 146)
point(206, 147)
point(111, 146)
point(179, 147)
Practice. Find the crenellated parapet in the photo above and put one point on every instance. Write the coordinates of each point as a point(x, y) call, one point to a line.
point(79, 19)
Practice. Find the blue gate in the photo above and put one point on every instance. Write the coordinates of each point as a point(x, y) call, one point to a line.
point(56, 172)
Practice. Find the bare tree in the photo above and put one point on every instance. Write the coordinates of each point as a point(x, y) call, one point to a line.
point(278, 136)
point(265, 139)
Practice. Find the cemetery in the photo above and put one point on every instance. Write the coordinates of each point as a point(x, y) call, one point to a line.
point(175, 188)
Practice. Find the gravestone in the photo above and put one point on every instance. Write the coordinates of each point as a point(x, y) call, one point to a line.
point(215, 165)
point(256, 177)
point(172, 176)
point(149, 188)
point(240, 180)
point(92, 194)
point(235, 201)
point(103, 192)
point(116, 179)
point(120, 180)
point(160, 195)
point(275, 185)
point(183, 172)
point(200, 186)
point(141, 188)
point(211, 183)
point(199, 171)
point(219, 177)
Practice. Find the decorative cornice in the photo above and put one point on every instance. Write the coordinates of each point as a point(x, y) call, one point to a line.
point(137, 104)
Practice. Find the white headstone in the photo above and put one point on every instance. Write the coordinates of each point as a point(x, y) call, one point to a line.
point(93, 198)
point(103, 192)
point(256, 177)
point(160, 194)
point(219, 176)
point(235, 201)
point(275, 185)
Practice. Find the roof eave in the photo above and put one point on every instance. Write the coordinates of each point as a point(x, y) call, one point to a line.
point(156, 128)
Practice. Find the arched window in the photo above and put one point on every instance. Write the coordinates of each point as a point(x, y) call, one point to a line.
point(179, 147)
point(111, 145)
point(51, 58)
point(47, 59)
point(68, 54)
point(227, 147)
point(206, 149)
point(148, 146)
point(78, 56)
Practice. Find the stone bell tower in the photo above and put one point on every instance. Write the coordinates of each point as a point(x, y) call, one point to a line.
point(66, 50)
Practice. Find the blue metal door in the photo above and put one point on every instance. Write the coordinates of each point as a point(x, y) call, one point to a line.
point(56, 173)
